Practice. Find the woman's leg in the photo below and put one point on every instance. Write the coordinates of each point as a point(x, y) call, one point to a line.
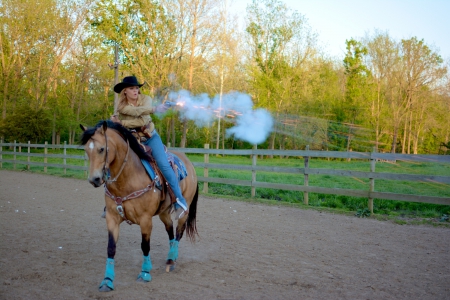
point(161, 160)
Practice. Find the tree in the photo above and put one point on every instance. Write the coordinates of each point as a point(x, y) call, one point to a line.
point(27, 124)
point(197, 24)
point(422, 71)
point(35, 40)
point(280, 44)
point(353, 108)
point(383, 56)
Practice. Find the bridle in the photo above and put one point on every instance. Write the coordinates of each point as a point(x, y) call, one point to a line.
point(106, 172)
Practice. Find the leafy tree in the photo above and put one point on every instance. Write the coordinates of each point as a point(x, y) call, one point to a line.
point(422, 71)
point(383, 56)
point(353, 108)
point(280, 43)
point(27, 124)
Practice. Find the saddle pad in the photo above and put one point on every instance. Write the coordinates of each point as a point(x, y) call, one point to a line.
point(176, 164)
point(151, 173)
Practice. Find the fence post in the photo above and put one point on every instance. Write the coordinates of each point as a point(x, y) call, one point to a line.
point(45, 157)
point(28, 157)
point(14, 165)
point(1, 153)
point(85, 164)
point(373, 161)
point(205, 170)
point(65, 153)
point(306, 181)
point(254, 158)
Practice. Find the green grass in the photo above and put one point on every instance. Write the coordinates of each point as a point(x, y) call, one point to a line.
point(387, 208)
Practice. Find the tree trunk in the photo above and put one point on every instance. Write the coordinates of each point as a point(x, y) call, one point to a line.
point(5, 99)
point(70, 135)
point(408, 149)
point(168, 132)
point(394, 140)
point(172, 128)
point(404, 136)
point(183, 143)
point(54, 127)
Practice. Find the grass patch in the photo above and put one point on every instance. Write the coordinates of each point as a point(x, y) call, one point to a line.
point(384, 209)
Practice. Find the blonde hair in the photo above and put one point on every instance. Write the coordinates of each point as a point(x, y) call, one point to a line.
point(123, 100)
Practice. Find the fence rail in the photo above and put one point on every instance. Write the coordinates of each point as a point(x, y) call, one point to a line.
point(372, 175)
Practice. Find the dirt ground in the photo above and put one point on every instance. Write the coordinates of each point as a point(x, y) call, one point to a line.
point(53, 246)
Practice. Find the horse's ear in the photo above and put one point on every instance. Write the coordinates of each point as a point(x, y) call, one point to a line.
point(84, 128)
point(104, 126)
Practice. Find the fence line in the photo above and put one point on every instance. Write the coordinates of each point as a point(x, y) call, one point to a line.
point(373, 157)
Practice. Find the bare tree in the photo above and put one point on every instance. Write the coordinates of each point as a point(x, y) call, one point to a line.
point(197, 22)
point(383, 55)
point(422, 70)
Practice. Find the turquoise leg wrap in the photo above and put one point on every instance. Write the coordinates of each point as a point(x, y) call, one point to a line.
point(146, 267)
point(173, 251)
point(109, 274)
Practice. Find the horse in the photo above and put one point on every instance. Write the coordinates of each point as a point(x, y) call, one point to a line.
point(131, 194)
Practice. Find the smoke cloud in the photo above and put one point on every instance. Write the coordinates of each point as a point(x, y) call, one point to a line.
point(253, 126)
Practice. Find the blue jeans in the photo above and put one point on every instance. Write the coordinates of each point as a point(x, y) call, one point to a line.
point(160, 157)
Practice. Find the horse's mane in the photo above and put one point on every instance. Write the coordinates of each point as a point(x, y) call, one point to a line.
point(123, 132)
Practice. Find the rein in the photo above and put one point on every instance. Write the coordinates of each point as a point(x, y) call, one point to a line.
point(106, 171)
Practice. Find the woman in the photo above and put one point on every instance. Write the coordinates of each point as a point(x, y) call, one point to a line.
point(134, 111)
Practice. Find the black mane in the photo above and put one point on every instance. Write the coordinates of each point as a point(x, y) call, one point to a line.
point(123, 132)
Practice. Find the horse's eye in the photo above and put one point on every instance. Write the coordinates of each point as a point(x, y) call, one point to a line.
point(101, 150)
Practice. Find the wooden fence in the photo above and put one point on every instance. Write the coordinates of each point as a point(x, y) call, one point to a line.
point(371, 157)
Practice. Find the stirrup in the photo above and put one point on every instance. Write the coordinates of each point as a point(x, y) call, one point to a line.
point(181, 204)
point(180, 212)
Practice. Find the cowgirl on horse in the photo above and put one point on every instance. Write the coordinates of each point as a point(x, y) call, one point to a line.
point(134, 111)
point(116, 160)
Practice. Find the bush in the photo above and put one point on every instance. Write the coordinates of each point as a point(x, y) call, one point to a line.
point(27, 124)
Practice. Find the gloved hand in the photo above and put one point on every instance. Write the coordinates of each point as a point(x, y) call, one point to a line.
point(115, 119)
point(162, 108)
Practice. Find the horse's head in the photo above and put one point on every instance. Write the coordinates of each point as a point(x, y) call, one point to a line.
point(101, 146)
point(98, 147)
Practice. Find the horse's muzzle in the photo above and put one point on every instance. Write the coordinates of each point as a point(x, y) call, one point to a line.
point(96, 181)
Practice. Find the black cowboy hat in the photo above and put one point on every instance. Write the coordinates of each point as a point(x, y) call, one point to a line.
point(127, 82)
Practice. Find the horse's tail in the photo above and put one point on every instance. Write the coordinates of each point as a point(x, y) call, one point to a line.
point(191, 223)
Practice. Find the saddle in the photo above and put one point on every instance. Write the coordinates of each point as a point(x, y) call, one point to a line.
point(152, 168)
point(142, 134)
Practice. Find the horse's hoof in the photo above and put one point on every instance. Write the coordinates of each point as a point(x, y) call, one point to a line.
point(144, 277)
point(170, 266)
point(104, 288)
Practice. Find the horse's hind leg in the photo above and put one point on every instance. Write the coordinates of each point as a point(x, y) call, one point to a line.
point(172, 256)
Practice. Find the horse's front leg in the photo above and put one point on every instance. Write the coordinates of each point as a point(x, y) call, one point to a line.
point(113, 235)
point(146, 229)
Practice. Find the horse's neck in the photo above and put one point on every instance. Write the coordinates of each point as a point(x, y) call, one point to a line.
point(133, 173)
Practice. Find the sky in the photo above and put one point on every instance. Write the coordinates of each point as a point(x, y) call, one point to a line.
point(338, 20)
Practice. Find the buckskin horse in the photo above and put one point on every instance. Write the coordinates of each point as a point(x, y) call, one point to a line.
point(132, 196)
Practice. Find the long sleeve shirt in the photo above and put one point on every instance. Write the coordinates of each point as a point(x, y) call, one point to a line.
point(137, 116)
